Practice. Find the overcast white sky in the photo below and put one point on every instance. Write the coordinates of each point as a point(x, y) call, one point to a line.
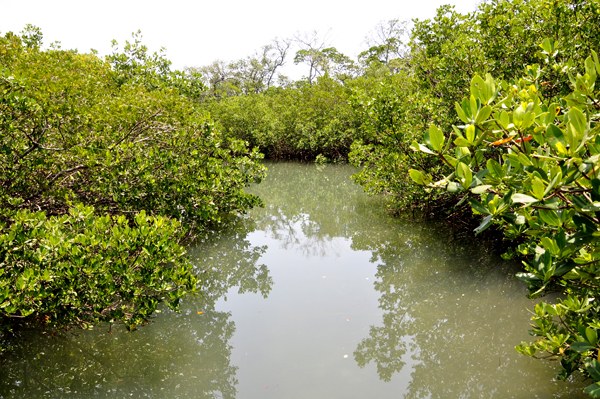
point(197, 32)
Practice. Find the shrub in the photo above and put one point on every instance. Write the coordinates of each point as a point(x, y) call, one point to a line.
point(528, 162)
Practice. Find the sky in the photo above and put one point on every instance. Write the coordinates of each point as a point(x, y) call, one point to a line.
point(195, 33)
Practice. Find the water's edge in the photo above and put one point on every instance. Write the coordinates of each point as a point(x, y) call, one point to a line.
point(320, 294)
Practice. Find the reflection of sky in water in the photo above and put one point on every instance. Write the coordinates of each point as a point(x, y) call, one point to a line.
point(320, 294)
point(321, 306)
point(291, 237)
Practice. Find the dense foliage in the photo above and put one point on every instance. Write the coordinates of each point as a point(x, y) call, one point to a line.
point(105, 166)
point(528, 161)
point(313, 118)
point(500, 37)
point(299, 122)
point(524, 155)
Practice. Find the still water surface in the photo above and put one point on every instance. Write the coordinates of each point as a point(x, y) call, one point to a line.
point(320, 294)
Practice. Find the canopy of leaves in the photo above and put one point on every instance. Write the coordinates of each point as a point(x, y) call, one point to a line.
point(500, 37)
point(105, 166)
point(299, 122)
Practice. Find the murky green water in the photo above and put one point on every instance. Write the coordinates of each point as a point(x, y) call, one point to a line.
point(318, 295)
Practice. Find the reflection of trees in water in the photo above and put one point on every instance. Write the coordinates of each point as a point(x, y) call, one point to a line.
point(190, 357)
point(302, 234)
point(308, 205)
point(183, 354)
point(427, 325)
point(451, 342)
point(319, 248)
point(226, 259)
point(445, 305)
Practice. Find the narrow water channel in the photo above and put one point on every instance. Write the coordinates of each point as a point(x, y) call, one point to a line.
point(320, 294)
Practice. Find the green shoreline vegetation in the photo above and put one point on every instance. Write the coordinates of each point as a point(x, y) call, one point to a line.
point(107, 165)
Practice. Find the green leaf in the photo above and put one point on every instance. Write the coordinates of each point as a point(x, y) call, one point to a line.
point(527, 277)
point(504, 119)
point(479, 88)
point(436, 138)
point(591, 335)
point(518, 116)
point(556, 138)
point(593, 367)
point(420, 147)
point(472, 106)
point(593, 390)
point(464, 173)
point(524, 349)
point(21, 282)
point(466, 107)
point(538, 188)
point(564, 266)
point(483, 114)
point(590, 69)
point(550, 217)
point(478, 206)
point(523, 199)
point(417, 176)
point(593, 160)
point(480, 189)
point(491, 88)
point(557, 178)
point(451, 160)
point(461, 114)
point(524, 159)
point(581, 346)
point(584, 205)
point(596, 62)
point(462, 142)
point(548, 45)
point(470, 134)
point(452, 187)
point(578, 120)
point(495, 169)
point(487, 221)
point(584, 225)
point(550, 245)
point(505, 202)
point(528, 119)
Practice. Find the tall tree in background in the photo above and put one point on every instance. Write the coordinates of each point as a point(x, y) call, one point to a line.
point(387, 46)
point(257, 72)
point(311, 53)
point(215, 75)
point(253, 74)
point(323, 60)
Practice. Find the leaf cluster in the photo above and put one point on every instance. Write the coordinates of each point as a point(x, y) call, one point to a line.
point(528, 161)
point(83, 269)
point(499, 38)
